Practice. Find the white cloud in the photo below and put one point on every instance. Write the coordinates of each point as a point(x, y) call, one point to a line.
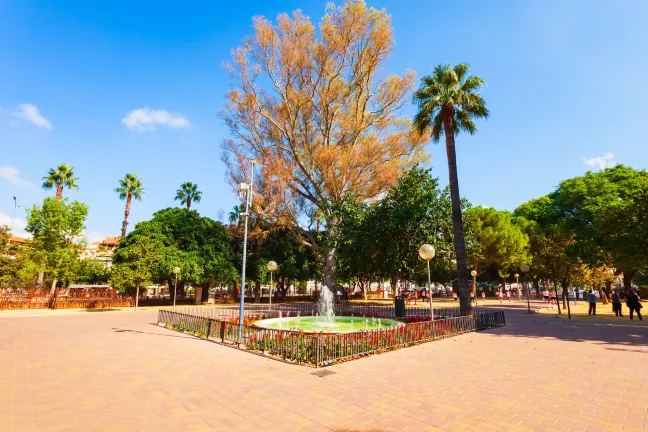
point(31, 114)
point(19, 226)
point(12, 175)
point(146, 119)
point(600, 162)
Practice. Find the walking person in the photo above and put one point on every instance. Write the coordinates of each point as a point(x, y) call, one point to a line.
point(634, 303)
point(545, 295)
point(552, 297)
point(616, 303)
point(454, 296)
point(508, 295)
point(500, 295)
point(591, 298)
point(483, 295)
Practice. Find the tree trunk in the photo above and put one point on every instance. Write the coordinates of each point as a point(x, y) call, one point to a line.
point(52, 299)
point(59, 191)
point(257, 292)
point(188, 203)
point(393, 284)
point(330, 265)
point(205, 294)
point(627, 279)
point(564, 294)
point(126, 213)
point(41, 277)
point(565, 285)
point(457, 220)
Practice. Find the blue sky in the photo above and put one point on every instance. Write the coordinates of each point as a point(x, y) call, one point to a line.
point(564, 84)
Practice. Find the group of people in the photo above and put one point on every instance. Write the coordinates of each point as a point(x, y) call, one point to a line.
point(632, 300)
point(549, 296)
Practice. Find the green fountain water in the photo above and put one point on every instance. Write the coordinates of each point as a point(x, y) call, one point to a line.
point(339, 324)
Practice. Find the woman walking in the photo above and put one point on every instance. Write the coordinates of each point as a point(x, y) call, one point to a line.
point(634, 303)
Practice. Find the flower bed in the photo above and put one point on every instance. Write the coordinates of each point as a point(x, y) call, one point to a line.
point(323, 349)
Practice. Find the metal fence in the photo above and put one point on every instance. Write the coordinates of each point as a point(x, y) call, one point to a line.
point(319, 349)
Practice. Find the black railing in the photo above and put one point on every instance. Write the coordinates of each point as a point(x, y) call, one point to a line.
point(320, 349)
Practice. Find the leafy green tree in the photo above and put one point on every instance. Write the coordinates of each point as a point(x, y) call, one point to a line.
point(187, 194)
point(90, 271)
point(497, 241)
point(448, 103)
point(182, 238)
point(59, 177)
point(130, 187)
point(132, 268)
point(54, 228)
point(17, 270)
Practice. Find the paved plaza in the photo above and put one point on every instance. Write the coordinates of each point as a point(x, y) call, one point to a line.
point(118, 371)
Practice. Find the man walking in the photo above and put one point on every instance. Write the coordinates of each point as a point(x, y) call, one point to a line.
point(616, 303)
point(591, 297)
point(634, 303)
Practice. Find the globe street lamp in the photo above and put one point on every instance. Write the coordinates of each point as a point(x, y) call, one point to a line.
point(474, 285)
point(517, 285)
point(245, 188)
point(525, 269)
point(426, 252)
point(272, 266)
point(176, 270)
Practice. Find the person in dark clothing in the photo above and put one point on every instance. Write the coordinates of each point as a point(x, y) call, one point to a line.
point(634, 303)
point(616, 303)
point(591, 297)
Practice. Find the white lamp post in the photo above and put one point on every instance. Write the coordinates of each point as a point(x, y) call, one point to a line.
point(272, 266)
point(426, 252)
point(245, 188)
point(176, 270)
point(474, 285)
point(517, 284)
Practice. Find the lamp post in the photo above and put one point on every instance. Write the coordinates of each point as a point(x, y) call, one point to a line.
point(272, 266)
point(176, 270)
point(517, 285)
point(525, 269)
point(474, 285)
point(245, 188)
point(426, 252)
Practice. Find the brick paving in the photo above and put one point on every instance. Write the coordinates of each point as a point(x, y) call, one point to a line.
point(117, 371)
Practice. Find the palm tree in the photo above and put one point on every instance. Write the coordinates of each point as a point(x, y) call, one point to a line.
point(129, 188)
point(448, 102)
point(62, 176)
point(188, 192)
point(233, 215)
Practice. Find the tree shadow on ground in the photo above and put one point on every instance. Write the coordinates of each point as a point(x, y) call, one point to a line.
point(623, 333)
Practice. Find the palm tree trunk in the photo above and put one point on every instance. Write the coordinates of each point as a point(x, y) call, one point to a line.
point(126, 213)
point(457, 221)
point(188, 203)
point(59, 191)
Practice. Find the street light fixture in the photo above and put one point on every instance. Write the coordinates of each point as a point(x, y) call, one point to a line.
point(426, 252)
point(474, 285)
point(272, 266)
point(525, 270)
point(176, 270)
point(517, 285)
point(245, 189)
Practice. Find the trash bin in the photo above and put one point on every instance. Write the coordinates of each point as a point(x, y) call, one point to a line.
point(400, 307)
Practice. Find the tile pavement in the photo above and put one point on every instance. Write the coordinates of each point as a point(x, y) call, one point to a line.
point(117, 371)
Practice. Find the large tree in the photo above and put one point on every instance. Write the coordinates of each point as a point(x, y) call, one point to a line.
point(321, 121)
point(448, 103)
point(130, 187)
point(497, 241)
point(176, 237)
point(59, 177)
point(54, 228)
point(188, 193)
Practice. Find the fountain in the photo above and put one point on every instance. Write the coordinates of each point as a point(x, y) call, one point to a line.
point(325, 319)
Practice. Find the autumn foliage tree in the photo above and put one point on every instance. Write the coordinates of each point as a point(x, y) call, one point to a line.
point(313, 110)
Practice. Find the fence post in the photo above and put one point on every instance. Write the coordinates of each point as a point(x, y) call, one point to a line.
point(222, 331)
point(210, 323)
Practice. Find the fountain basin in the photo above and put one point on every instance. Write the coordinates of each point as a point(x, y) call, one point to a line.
point(315, 324)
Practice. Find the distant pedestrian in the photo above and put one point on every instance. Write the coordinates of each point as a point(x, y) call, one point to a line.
point(483, 295)
point(454, 296)
point(552, 297)
point(472, 297)
point(616, 303)
point(634, 303)
point(545, 295)
point(508, 295)
point(500, 295)
point(591, 298)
